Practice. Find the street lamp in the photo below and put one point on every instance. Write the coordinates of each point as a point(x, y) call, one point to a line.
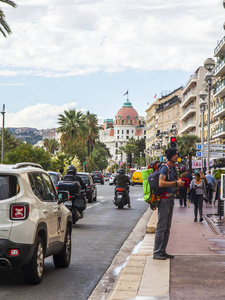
point(203, 96)
point(140, 160)
point(209, 65)
point(3, 126)
point(132, 155)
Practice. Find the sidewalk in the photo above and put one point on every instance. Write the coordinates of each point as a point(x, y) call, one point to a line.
point(196, 272)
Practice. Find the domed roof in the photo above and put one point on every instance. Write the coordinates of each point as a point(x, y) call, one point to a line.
point(127, 112)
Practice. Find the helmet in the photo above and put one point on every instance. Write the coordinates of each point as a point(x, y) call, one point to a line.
point(72, 170)
point(121, 171)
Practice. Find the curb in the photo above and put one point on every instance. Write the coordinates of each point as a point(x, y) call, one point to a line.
point(151, 226)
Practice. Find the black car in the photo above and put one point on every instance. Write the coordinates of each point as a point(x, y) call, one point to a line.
point(97, 177)
point(55, 177)
point(91, 190)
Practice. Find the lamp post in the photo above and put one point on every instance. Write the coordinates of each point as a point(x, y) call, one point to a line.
point(132, 155)
point(202, 95)
point(209, 65)
point(140, 160)
point(3, 127)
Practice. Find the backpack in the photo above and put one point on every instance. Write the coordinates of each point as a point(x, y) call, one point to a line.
point(155, 190)
point(146, 187)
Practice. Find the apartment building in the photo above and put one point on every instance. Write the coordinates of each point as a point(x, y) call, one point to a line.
point(151, 125)
point(218, 102)
point(190, 115)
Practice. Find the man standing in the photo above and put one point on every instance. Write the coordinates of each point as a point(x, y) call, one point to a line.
point(211, 185)
point(168, 180)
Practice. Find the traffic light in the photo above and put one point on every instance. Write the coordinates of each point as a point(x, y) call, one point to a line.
point(173, 143)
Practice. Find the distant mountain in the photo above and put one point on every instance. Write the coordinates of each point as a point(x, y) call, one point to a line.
point(27, 134)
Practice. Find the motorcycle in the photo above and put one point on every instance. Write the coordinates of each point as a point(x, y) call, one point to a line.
point(120, 199)
point(77, 202)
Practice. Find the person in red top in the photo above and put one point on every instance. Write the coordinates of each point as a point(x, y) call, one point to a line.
point(183, 189)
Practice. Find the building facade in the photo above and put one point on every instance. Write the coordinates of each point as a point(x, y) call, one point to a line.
point(116, 133)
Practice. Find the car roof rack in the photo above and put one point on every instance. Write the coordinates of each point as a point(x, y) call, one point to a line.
point(27, 164)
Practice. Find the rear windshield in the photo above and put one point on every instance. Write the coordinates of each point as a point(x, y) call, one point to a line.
point(84, 178)
point(9, 186)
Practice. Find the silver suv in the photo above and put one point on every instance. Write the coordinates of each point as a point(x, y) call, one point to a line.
point(34, 222)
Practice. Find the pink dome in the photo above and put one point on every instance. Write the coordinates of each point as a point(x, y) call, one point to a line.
point(127, 112)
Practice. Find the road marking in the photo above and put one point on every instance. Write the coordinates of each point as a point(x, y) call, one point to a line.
point(92, 205)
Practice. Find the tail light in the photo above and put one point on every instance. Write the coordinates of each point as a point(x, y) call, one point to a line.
point(19, 211)
point(120, 190)
point(70, 197)
point(100, 175)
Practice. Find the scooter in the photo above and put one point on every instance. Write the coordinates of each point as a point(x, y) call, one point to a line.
point(77, 202)
point(120, 199)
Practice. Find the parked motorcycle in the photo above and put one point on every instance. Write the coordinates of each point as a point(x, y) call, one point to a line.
point(120, 199)
point(77, 202)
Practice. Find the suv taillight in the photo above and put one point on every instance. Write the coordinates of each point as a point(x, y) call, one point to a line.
point(19, 211)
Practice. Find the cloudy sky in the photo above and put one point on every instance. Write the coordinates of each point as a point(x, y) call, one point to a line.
point(86, 54)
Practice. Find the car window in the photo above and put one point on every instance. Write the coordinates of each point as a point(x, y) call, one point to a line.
point(9, 186)
point(54, 178)
point(37, 185)
point(84, 178)
point(50, 191)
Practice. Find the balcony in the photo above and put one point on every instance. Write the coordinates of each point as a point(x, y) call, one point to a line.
point(219, 131)
point(219, 70)
point(220, 48)
point(190, 96)
point(219, 111)
point(186, 112)
point(193, 79)
point(187, 126)
point(219, 90)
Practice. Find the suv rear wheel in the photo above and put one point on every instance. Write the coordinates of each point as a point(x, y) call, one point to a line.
point(62, 260)
point(33, 272)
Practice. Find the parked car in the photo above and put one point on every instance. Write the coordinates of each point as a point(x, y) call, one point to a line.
point(97, 177)
point(107, 176)
point(55, 177)
point(91, 190)
point(111, 178)
point(34, 222)
point(137, 178)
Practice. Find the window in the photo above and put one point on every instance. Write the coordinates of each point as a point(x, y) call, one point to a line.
point(37, 185)
point(122, 131)
point(9, 186)
point(127, 137)
point(127, 131)
point(50, 192)
point(118, 131)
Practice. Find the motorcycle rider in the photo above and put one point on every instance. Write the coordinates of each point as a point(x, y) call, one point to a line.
point(122, 180)
point(71, 175)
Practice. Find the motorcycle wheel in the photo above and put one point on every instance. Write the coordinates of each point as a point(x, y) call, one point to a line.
point(120, 205)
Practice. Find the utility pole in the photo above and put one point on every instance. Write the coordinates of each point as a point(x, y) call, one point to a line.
point(3, 126)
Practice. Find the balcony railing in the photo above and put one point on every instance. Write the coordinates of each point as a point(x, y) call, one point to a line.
point(219, 129)
point(220, 85)
point(187, 111)
point(219, 110)
point(219, 67)
point(220, 44)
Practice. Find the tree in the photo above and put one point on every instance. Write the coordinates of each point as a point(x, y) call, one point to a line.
point(4, 27)
point(100, 156)
point(10, 141)
point(93, 130)
point(28, 153)
point(73, 124)
point(187, 146)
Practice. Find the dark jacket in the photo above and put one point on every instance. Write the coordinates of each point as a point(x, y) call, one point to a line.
point(70, 177)
point(121, 180)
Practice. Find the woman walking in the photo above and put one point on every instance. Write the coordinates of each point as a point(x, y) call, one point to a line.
point(198, 185)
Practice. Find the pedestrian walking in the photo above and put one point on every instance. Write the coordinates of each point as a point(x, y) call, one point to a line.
point(189, 176)
point(167, 179)
point(211, 185)
point(183, 189)
point(198, 185)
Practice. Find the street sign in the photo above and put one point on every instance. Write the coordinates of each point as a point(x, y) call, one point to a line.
point(217, 147)
point(211, 154)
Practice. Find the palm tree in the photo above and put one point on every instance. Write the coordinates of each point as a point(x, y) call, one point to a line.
point(4, 27)
point(93, 130)
point(72, 124)
point(187, 146)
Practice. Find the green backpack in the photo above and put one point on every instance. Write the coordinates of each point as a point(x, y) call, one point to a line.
point(146, 187)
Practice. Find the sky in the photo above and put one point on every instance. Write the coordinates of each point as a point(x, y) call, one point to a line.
point(85, 54)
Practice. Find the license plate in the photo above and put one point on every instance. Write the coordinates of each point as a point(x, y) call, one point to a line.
point(119, 196)
point(136, 179)
point(69, 203)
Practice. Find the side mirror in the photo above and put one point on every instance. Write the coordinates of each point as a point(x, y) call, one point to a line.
point(63, 196)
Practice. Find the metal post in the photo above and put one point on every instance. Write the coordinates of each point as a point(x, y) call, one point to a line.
point(3, 127)
point(202, 168)
point(208, 133)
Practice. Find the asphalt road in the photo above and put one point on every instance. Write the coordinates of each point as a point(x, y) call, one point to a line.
point(96, 239)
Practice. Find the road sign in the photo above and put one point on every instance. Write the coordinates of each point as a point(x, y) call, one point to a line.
point(211, 154)
point(217, 147)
